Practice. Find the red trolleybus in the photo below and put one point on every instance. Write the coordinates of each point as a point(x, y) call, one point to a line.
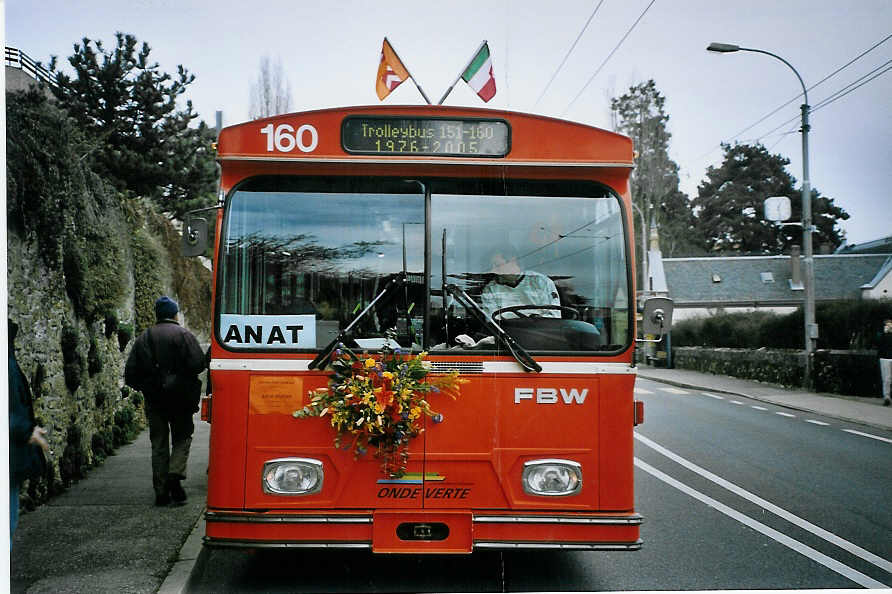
point(500, 244)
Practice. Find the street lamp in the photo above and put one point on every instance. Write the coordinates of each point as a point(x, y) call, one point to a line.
point(811, 328)
point(644, 286)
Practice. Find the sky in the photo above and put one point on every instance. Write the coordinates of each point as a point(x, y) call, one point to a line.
point(330, 49)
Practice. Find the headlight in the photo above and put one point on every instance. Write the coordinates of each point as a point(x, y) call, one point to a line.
point(552, 477)
point(292, 476)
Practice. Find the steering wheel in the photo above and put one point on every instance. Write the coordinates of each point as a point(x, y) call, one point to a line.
point(516, 309)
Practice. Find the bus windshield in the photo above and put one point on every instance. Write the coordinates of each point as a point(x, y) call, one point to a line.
point(303, 257)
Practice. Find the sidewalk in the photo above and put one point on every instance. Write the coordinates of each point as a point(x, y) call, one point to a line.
point(104, 533)
point(865, 411)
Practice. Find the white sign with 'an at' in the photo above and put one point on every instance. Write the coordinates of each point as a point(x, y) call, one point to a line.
point(270, 332)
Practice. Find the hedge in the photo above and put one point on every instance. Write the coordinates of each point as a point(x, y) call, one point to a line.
point(852, 373)
point(843, 325)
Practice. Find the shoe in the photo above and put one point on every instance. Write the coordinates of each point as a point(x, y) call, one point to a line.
point(162, 500)
point(887, 402)
point(175, 489)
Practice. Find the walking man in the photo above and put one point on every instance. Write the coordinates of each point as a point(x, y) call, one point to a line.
point(884, 350)
point(164, 364)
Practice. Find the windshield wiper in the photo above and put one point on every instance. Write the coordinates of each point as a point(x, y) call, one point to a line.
point(322, 358)
point(518, 352)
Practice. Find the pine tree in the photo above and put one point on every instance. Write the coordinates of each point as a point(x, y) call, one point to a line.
point(730, 205)
point(139, 139)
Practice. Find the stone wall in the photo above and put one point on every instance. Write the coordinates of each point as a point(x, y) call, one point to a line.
point(773, 366)
point(75, 368)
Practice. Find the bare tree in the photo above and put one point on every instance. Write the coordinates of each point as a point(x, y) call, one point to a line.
point(271, 94)
point(640, 114)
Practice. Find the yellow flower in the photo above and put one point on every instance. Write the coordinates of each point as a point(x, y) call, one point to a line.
point(369, 363)
point(387, 374)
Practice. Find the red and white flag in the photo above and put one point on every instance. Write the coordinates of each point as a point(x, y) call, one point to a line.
point(391, 72)
point(479, 74)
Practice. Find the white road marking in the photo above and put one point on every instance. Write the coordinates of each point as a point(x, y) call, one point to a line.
point(788, 415)
point(840, 568)
point(814, 422)
point(758, 407)
point(767, 505)
point(738, 402)
point(642, 391)
point(716, 396)
point(674, 391)
point(868, 435)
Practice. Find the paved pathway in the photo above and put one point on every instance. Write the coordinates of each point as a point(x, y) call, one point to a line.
point(104, 533)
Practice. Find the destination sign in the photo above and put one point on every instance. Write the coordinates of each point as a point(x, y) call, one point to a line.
point(426, 136)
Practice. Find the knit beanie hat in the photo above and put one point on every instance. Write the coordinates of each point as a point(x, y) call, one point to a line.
point(166, 308)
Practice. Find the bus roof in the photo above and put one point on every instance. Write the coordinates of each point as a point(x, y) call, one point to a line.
point(441, 134)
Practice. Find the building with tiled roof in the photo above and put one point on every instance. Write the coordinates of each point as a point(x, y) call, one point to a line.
point(878, 246)
point(702, 286)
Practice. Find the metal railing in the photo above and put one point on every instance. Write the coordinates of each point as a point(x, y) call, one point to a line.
point(15, 58)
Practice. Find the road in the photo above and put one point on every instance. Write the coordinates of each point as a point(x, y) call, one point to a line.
point(736, 494)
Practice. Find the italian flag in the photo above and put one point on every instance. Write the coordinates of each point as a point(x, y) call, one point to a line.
point(479, 74)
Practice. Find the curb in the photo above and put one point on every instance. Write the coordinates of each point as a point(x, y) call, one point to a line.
point(178, 577)
point(764, 399)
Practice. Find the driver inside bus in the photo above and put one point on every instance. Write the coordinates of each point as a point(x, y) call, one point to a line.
point(512, 285)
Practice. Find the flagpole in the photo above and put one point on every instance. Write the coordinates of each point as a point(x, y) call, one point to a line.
point(420, 90)
point(460, 72)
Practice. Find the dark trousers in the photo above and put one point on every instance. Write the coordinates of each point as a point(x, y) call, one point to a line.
point(171, 437)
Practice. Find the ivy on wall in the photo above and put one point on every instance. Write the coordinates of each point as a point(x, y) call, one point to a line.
point(147, 278)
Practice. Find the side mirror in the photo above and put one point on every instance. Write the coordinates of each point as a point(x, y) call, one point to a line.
point(195, 236)
point(657, 316)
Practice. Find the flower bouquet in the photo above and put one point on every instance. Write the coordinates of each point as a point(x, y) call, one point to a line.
point(379, 403)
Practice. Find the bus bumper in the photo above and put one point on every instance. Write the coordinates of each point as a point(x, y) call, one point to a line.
point(419, 531)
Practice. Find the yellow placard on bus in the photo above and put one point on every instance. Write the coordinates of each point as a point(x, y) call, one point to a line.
point(275, 394)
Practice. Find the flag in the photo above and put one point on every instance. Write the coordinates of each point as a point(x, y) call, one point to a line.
point(391, 72)
point(479, 74)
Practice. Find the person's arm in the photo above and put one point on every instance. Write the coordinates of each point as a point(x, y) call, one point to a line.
point(193, 357)
point(21, 424)
point(553, 292)
point(134, 369)
point(489, 299)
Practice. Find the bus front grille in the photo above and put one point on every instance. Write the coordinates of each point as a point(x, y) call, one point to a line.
point(459, 366)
